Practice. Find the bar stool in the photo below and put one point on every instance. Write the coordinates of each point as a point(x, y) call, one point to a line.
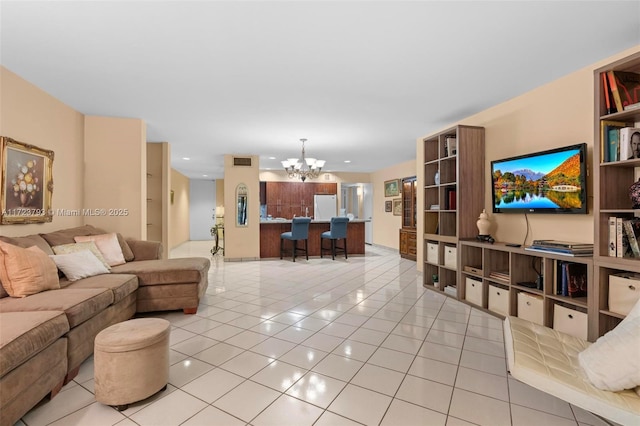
point(299, 231)
point(337, 231)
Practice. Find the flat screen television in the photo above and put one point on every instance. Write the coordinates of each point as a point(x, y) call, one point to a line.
point(552, 181)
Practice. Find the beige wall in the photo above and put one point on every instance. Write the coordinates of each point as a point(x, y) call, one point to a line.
point(241, 243)
point(30, 115)
point(116, 174)
point(179, 210)
point(386, 226)
point(557, 114)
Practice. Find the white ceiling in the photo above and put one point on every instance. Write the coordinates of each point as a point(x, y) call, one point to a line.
point(361, 80)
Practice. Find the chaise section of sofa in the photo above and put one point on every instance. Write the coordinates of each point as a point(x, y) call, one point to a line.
point(33, 360)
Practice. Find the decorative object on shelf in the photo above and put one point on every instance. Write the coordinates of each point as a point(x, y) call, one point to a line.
point(436, 178)
point(483, 223)
point(634, 194)
point(397, 206)
point(27, 183)
point(392, 188)
point(307, 168)
point(387, 206)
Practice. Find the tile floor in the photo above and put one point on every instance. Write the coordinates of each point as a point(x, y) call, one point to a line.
point(324, 343)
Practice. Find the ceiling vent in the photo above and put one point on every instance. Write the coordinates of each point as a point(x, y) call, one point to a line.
point(242, 161)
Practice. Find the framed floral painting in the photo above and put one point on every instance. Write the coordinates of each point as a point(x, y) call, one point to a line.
point(26, 182)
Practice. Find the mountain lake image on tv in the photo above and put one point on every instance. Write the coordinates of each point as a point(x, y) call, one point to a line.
point(552, 181)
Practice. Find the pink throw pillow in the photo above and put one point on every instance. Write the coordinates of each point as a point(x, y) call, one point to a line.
point(108, 246)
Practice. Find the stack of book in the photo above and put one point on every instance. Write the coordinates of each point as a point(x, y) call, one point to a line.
point(565, 248)
point(499, 275)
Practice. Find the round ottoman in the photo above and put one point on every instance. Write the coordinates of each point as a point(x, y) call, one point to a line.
point(131, 361)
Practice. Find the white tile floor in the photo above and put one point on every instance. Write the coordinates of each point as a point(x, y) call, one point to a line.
point(324, 343)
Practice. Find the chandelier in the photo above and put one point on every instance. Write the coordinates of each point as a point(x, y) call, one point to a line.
point(307, 168)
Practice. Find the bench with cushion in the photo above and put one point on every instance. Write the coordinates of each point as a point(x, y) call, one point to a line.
point(602, 377)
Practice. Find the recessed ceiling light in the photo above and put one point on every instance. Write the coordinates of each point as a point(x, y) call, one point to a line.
point(186, 158)
point(205, 175)
point(272, 158)
point(347, 161)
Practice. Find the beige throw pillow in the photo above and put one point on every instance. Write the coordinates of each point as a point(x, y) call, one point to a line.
point(76, 247)
point(108, 246)
point(24, 272)
point(79, 264)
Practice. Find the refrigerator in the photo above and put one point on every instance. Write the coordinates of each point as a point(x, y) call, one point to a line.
point(325, 207)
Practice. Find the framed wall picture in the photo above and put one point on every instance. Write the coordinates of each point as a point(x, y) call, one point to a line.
point(387, 206)
point(392, 188)
point(397, 206)
point(26, 182)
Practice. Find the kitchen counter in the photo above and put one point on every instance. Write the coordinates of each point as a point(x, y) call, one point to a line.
point(270, 231)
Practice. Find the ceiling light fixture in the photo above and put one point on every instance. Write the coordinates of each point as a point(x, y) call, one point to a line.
point(307, 168)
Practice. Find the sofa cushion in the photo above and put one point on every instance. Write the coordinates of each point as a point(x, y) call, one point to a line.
point(79, 304)
point(121, 285)
point(65, 236)
point(108, 246)
point(24, 334)
point(80, 264)
point(29, 241)
point(166, 271)
point(76, 247)
point(24, 272)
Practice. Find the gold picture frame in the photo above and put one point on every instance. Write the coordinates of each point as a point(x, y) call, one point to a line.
point(26, 183)
point(392, 188)
point(397, 206)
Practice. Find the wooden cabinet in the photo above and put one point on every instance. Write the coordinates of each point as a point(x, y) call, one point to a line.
point(286, 199)
point(497, 278)
point(408, 240)
point(408, 244)
point(610, 198)
point(453, 198)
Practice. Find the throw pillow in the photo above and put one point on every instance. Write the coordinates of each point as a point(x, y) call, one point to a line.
point(24, 272)
point(76, 247)
point(108, 246)
point(79, 264)
point(612, 362)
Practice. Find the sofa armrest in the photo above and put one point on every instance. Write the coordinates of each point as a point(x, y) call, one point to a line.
point(145, 250)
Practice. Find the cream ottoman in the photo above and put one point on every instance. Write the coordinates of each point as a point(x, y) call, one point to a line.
point(131, 361)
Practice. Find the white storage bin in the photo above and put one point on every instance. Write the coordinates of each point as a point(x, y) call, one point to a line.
point(624, 292)
point(450, 257)
point(570, 321)
point(499, 300)
point(432, 253)
point(530, 307)
point(473, 291)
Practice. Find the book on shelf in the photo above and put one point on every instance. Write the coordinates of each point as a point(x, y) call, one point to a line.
point(625, 88)
point(570, 279)
point(619, 234)
point(612, 236)
point(629, 143)
point(450, 199)
point(632, 107)
point(608, 102)
point(499, 275)
point(450, 146)
point(632, 229)
point(609, 137)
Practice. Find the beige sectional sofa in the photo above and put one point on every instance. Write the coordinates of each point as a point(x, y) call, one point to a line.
point(45, 337)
